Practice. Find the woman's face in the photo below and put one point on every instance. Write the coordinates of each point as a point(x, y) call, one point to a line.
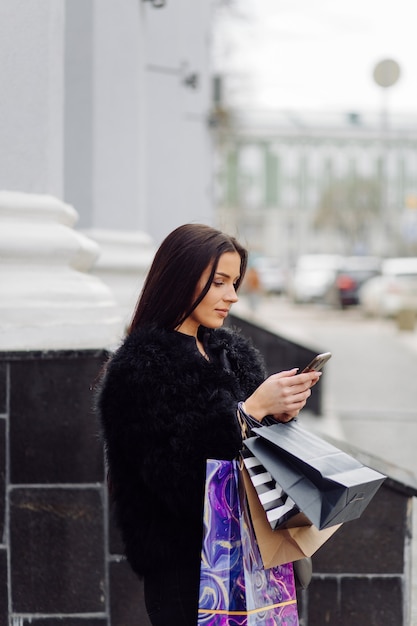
point(213, 309)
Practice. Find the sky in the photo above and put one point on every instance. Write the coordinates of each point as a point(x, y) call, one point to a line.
point(316, 55)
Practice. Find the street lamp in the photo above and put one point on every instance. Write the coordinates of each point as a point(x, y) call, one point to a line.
point(386, 73)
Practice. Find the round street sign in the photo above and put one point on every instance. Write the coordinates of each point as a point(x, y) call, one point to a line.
point(386, 73)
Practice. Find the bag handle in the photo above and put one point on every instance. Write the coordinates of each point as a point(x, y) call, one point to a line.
point(246, 421)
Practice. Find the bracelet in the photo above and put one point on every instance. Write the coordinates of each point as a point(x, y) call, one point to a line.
point(242, 408)
point(250, 421)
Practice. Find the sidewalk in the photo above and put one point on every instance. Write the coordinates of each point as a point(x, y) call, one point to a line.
point(370, 384)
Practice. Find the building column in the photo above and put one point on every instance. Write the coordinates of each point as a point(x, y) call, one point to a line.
point(49, 301)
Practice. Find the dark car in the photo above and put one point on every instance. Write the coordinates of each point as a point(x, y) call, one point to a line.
point(354, 272)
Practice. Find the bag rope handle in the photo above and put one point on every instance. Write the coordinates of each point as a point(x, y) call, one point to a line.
point(246, 421)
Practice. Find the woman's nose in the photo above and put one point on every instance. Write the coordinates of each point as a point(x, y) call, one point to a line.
point(231, 295)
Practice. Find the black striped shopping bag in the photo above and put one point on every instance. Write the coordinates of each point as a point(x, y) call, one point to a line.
point(279, 507)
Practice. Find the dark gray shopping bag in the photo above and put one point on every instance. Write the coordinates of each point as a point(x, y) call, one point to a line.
point(328, 485)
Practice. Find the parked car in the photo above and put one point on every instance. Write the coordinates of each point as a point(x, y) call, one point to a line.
point(272, 274)
point(394, 290)
point(313, 277)
point(353, 273)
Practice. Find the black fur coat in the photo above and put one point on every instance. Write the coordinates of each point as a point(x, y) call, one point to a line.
point(164, 409)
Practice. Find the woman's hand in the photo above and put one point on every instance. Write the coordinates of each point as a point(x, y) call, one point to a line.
point(282, 395)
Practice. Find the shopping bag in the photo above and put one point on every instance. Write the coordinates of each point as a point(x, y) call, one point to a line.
point(280, 509)
point(328, 485)
point(286, 544)
point(235, 588)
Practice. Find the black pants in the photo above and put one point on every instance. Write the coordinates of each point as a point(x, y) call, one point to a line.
point(171, 597)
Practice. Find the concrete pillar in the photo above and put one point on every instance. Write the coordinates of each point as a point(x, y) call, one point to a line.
point(105, 170)
point(122, 265)
point(49, 301)
point(32, 92)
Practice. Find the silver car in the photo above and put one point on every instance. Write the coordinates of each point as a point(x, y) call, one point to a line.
point(393, 291)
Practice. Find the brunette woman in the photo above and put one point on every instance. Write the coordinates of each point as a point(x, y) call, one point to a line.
point(168, 403)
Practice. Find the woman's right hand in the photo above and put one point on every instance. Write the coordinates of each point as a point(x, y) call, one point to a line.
point(282, 395)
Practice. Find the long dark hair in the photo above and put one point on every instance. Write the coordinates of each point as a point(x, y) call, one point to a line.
point(167, 296)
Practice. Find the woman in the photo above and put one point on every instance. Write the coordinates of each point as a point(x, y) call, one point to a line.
point(168, 403)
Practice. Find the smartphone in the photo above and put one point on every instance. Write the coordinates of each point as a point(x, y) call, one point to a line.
point(317, 363)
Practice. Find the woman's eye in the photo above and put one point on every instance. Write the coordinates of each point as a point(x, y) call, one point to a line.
point(218, 283)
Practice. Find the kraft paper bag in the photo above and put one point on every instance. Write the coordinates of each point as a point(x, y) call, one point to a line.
point(287, 544)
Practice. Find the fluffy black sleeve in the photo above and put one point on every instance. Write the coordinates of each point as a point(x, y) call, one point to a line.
point(162, 418)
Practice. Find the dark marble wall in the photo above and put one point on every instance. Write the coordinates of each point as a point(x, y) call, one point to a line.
point(60, 555)
point(55, 567)
point(361, 573)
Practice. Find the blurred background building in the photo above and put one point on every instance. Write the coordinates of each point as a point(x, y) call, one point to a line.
point(316, 127)
point(319, 183)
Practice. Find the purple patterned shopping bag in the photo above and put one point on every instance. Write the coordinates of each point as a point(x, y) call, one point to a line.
point(235, 589)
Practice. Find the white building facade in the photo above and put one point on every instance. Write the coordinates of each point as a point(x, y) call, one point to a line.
point(105, 109)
